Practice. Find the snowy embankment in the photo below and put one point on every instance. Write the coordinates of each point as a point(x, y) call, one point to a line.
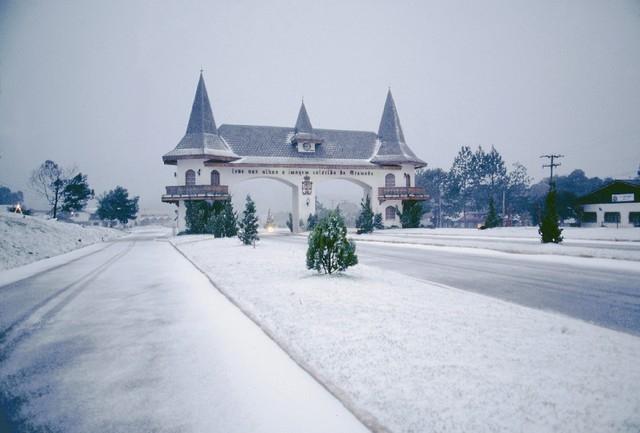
point(28, 239)
point(605, 243)
point(410, 356)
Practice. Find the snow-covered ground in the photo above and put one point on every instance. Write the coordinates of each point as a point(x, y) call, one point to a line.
point(133, 338)
point(570, 233)
point(28, 239)
point(415, 356)
point(609, 243)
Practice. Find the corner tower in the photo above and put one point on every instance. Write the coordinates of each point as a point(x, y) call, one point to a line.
point(393, 149)
point(201, 140)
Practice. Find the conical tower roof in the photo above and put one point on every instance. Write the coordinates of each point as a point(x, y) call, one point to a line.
point(393, 149)
point(303, 124)
point(390, 129)
point(201, 139)
point(201, 119)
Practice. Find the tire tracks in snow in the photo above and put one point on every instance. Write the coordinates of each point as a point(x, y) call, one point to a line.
point(7, 346)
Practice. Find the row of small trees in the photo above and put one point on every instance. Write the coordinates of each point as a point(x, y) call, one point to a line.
point(220, 220)
point(367, 221)
point(329, 249)
point(68, 191)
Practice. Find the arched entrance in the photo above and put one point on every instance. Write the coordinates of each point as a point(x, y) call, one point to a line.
point(345, 193)
point(269, 193)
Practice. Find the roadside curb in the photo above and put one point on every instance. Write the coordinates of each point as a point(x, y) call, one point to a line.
point(366, 418)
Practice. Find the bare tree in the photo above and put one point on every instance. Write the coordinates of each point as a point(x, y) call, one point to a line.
point(49, 180)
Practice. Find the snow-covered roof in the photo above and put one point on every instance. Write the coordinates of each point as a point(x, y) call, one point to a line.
point(245, 143)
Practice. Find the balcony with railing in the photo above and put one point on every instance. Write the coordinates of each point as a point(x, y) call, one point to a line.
point(195, 192)
point(402, 193)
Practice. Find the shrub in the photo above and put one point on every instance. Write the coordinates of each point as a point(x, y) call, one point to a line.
point(329, 249)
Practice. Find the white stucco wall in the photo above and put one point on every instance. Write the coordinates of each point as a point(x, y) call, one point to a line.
point(368, 178)
point(600, 209)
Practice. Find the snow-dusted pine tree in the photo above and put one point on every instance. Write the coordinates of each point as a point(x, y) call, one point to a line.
point(492, 219)
point(364, 222)
point(329, 249)
point(290, 222)
point(549, 229)
point(377, 222)
point(248, 225)
point(312, 220)
point(230, 220)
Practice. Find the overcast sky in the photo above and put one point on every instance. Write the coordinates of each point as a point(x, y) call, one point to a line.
point(108, 85)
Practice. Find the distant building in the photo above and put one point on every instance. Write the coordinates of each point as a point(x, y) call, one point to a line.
point(210, 160)
point(616, 204)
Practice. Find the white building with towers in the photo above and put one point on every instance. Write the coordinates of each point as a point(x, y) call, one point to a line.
point(210, 161)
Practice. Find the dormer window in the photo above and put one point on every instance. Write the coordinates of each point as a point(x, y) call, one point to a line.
point(304, 137)
point(307, 146)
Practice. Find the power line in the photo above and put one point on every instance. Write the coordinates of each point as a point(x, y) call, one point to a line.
point(551, 165)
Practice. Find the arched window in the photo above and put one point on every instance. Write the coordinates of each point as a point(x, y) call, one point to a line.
point(407, 180)
point(190, 177)
point(390, 212)
point(390, 180)
point(215, 178)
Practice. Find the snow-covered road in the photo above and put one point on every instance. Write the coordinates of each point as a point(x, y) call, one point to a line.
point(132, 338)
point(601, 291)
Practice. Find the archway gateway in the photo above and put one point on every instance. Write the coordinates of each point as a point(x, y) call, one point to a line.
point(211, 160)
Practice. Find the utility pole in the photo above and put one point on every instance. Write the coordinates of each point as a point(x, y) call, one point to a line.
point(551, 165)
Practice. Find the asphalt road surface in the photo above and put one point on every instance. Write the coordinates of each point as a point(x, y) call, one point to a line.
point(588, 291)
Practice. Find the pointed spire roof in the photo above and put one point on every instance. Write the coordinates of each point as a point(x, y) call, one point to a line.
point(390, 129)
point(393, 149)
point(201, 119)
point(201, 140)
point(303, 124)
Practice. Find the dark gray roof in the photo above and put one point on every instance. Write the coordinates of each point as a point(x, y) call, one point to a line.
point(275, 141)
point(303, 124)
point(267, 143)
point(393, 148)
point(201, 119)
point(201, 138)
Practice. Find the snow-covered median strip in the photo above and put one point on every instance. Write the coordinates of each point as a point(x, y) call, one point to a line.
point(597, 243)
point(422, 357)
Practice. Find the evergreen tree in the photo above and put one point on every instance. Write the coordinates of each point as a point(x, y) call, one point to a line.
point(197, 217)
point(492, 220)
point(411, 214)
point(377, 222)
point(290, 222)
point(364, 222)
point(229, 220)
point(9, 197)
point(548, 229)
point(215, 225)
point(248, 225)
point(461, 180)
point(312, 221)
point(517, 190)
point(492, 174)
point(434, 181)
point(329, 249)
point(116, 205)
point(76, 193)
